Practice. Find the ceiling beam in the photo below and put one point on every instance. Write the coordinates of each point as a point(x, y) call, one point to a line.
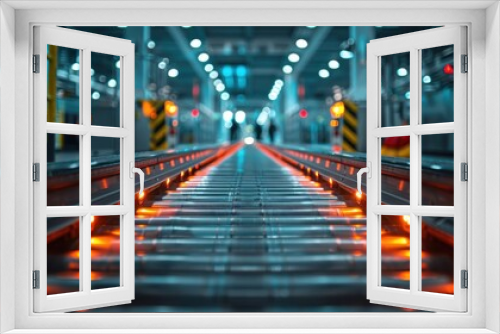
point(314, 44)
point(187, 52)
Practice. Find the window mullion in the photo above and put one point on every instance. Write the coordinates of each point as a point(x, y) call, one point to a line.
point(414, 170)
point(85, 180)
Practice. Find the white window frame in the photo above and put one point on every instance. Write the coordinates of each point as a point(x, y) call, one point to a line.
point(413, 44)
point(483, 314)
point(86, 44)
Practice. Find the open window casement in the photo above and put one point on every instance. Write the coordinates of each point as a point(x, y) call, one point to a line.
point(416, 209)
point(79, 209)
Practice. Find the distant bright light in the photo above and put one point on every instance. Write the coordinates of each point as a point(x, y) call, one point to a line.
point(173, 72)
point(333, 64)
point(301, 43)
point(263, 116)
point(122, 27)
point(195, 43)
point(225, 96)
point(75, 67)
point(272, 96)
point(240, 116)
point(217, 82)
point(278, 83)
point(303, 113)
point(324, 73)
point(220, 87)
point(407, 95)
point(293, 57)
point(213, 75)
point(249, 140)
point(96, 96)
point(92, 72)
point(112, 83)
point(228, 124)
point(287, 69)
point(311, 27)
point(436, 167)
point(346, 54)
point(117, 64)
point(151, 45)
point(209, 67)
point(426, 79)
point(186, 27)
point(227, 116)
point(402, 72)
point(162, 65)
point(203, 57)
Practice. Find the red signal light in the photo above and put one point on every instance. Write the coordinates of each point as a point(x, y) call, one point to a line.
point(303, 113)
point(195, 113)
point(448, 69)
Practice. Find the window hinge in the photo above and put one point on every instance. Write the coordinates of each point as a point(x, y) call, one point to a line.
point(465, 64)
point(465, 279)
point(464, 171)
point(36, 172)
point(36, 279)
point(36, 63)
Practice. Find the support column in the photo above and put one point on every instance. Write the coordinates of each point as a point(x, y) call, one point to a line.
point(290, 129)
point(357, 78)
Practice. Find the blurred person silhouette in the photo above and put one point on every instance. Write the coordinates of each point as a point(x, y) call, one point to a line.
point(272, 131)
point(258, 131)
point(234, 132)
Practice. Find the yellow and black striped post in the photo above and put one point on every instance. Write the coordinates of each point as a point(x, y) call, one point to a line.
point(350, 127)
point(158, 126)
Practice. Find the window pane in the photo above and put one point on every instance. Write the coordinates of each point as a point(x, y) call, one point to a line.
point(395, 99)
point(63, 85)
point(437, 254)
point(395, 178)
point(395, 242)
point(106, 90)
point(437, 169)
point(437, 84)
point(105, 242)
point(106, 176)
point(63, 169)
point(63, 255)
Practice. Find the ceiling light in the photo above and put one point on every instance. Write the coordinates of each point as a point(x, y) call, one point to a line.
point(287, 69)
point(162, 65)
point(209, 67)
point(227, 116)
point(75, 67)
point(117, 64)
point(112, 83)
point(293, 57)
point(195, 43)
point(346, 54)
point(173, 72)
point(203, 57)
point(240, 116)
point(402, 72)
point(278, 83)
point(333, 64)
point(426, 79)
point(213, 75)
point(324, 73)
point(151, 45)
point(220, 87)
point(96, 96)
point(217, 82)
point(301, 43)
point(225, 96)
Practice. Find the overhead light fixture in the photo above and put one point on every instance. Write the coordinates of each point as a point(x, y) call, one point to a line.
point(272, 96)
point(240, 116)
point(217, 82)
point(407, 95)
point(279, 83)
point(402, 72)
point(213, 75)
point(173, 73)
point(333, 64)
point(227, 116)
point(186, 27)
point(311, 27)
point(426, 79)
point(346, 54)
point(209, 67)
point(220, 87)
point(301, 43)
point(151, 45)
point(96, 96)
point(162, 65)
point(117, 64)
point(203, 57)
point(225, 96)
point(293, 57)
point(112, 83)
point(324, 73)
point(195, 43)
point(75, 67)
point(287, 69)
